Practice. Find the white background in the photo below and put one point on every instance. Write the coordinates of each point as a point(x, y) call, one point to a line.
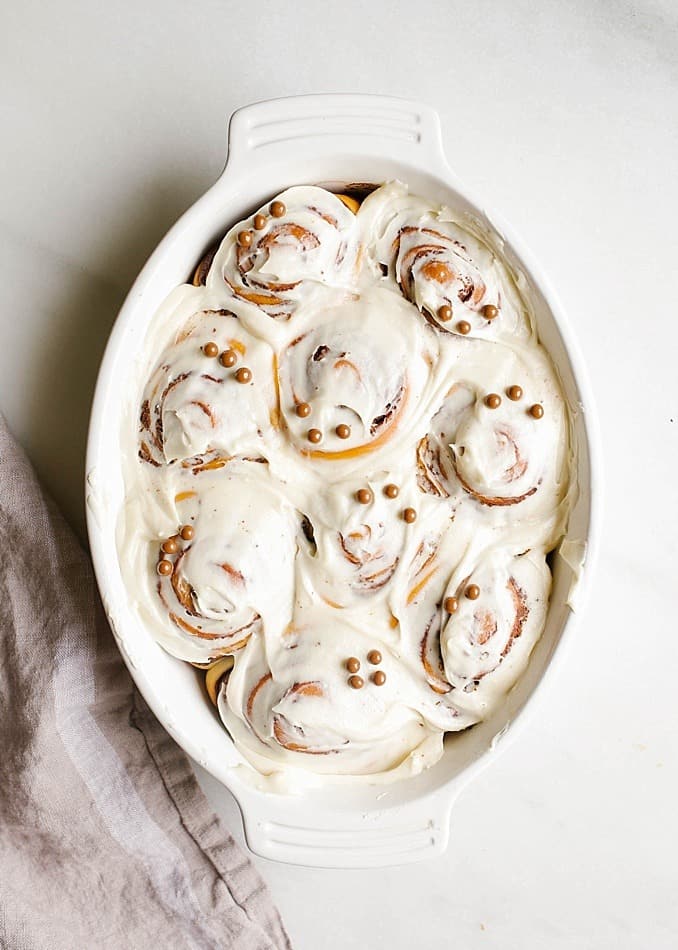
point(564, 116)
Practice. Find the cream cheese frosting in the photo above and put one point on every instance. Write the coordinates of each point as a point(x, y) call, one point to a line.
point(356, 493)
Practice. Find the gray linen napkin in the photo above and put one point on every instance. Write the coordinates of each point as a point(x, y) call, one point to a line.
point(105, 837)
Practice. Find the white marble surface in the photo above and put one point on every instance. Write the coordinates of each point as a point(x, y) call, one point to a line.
point(563, 115)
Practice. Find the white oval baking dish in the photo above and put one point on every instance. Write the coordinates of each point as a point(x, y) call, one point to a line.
point(271, 145)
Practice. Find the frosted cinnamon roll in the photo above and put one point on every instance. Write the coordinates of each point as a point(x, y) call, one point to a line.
point(468, 623)
point(226, 570)
point(495, 455)
point(359, 541)
point(498, 444)
point(210, 396)
point(302, 241)
point(343, 392)
point(449, 273)
point(486, 642)
point(295, 706)
point(499, 460)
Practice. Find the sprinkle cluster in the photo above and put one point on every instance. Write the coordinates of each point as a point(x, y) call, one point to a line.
point(172, 546)
point(378, 677)
point(228, 358)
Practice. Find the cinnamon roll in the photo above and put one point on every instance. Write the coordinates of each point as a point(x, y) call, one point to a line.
point(230, 567)
point(194, 411)
point(468, 622)
point(449, 273)
point(486, 642)
point(359, 545)
point(345, 463)
point(294, 707)
point(355, 392)
point(301, 243)
point(489, 450)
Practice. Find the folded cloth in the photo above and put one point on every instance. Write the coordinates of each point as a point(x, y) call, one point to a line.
point(106, 840)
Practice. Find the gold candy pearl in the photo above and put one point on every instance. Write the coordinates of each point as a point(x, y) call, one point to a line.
point(374, 657)
point(493, 401)
point(536, 411)
point(277, 209)
point(187, 532)
point(343, 431)
point(364, 496)
point(473, 592)
point(170, 546)
point(391, 491)
point(210, 349)
point(451, 605)
point(243, 375)
point(314, 435)
point(409, 515)
point(303, 410)
point(445, 313)
point(353, 664)
point(464, 327)
point(228, 358)
point(259, 222)
point(245, 238)
point(356, 682)
point(165, 568)
point(490, 311)
point(514, 393)
point(379, 678)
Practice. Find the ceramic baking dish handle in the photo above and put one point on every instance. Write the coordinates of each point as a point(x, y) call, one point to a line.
point(321, 125)
point(286, 828)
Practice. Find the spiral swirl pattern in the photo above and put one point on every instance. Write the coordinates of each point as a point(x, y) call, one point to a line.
point(309, 244)
point(193, 411)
